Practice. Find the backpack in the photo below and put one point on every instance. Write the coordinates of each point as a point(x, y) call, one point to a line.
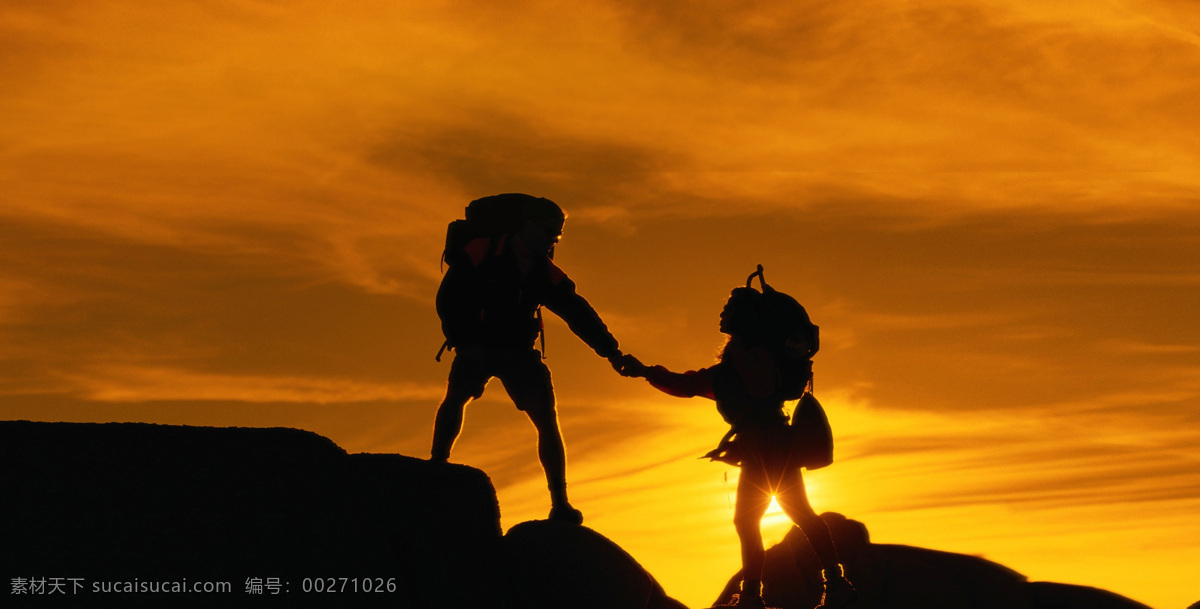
point(494, 218)
point(812, 438)
point(797, 340)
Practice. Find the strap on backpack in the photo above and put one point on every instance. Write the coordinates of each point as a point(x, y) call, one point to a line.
point(541, 329)
point(445, 345)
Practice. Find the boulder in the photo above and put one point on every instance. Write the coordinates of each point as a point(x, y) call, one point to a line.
point(115, 514)
point(901, 577)
point(553, 565)
point(1049, 595)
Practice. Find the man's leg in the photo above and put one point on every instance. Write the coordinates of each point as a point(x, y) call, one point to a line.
point(467, 380)
point(553, 456)
point(532, 391)
point(448, 424)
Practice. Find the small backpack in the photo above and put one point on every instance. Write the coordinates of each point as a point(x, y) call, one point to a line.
point(812, 437)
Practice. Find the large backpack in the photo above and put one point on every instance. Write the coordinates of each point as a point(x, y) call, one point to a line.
point(793, 337)
point(494, 219)
point(498, 215)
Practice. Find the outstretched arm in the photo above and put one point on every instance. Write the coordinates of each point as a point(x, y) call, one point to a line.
point(560, 297)
point(693, 383)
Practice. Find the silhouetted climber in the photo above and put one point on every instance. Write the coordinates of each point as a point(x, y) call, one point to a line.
point(765, 362)
point(500, 275)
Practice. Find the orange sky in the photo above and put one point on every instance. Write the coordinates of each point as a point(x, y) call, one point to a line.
point(231, 213)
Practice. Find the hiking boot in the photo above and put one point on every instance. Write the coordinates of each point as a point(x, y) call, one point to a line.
point(746, 601)
point(566, 513)
point(750, 602)
point(839, 592)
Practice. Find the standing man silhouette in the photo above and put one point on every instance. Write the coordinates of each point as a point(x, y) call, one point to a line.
point(500, 275)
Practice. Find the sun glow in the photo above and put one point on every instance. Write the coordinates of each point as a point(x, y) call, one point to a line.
point(775, 524)
point(774, 508)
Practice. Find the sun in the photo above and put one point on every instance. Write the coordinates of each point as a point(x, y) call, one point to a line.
point(774, 507)
point(775, 522)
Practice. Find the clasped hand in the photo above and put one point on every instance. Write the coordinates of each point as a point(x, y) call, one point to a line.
point(627, 365)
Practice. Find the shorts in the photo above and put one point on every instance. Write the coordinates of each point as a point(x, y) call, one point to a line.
point(526, 378)
point(765, 445)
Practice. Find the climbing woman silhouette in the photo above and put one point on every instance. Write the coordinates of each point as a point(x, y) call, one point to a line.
point(765, 362)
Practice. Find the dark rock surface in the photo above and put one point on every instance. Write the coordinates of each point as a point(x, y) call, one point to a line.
point(1048, 595)
point(86, 509)
point(140, 504)
point(899, 577)
point(93, 507)
point(555, 565)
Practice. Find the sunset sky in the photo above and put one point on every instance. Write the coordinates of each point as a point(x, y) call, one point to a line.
point(231, 212)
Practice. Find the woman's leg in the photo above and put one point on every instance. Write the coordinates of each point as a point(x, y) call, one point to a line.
point(793, 498)
point(753, 498)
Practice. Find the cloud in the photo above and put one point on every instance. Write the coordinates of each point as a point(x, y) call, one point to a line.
point(731, 37)
point(488, 151)
point(1064, 458)
point(145, 384)
point(247, 113)
point(77, 298)
point(988, 105)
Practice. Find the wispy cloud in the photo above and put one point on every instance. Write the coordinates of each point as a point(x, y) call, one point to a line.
point(145, 384)
point(1076, 454)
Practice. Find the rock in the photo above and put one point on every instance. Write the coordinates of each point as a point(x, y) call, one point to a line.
point(899, 577)
point(904, 576)
point(120, 505)
point(553, 565)
point(110, 515)
point(1047, 595)
point(788, 584)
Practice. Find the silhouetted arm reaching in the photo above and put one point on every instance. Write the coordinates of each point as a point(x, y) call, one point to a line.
point(693, 383)
point(581, 318)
